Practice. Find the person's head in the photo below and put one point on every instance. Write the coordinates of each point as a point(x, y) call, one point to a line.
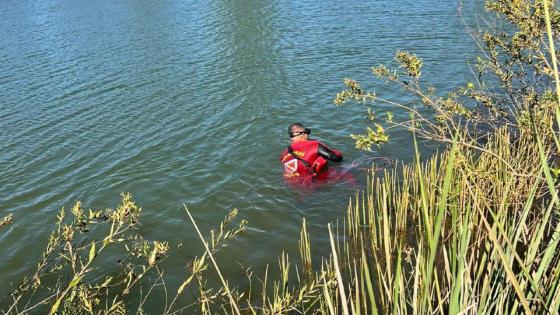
point(298, 132)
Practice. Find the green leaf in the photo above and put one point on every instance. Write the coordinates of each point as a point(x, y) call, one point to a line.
point(55, 306)
point(75, 281)
point(389, 117)
point(91, 252)
point(371, 292)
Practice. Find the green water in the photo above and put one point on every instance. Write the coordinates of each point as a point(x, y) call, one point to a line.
point(188, 102)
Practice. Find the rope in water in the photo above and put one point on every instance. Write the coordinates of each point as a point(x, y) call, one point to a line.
point(357, 165)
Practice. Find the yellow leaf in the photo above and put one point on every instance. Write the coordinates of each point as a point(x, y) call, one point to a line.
point(182, 287)
point(107, 281)
point(91, 252)
point(55, 306)
point(114, 306)
point(75, 282)
point(152, 258)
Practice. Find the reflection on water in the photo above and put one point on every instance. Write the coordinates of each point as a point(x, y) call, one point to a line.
point(188, 102)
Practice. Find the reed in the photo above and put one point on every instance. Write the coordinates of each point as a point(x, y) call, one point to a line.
point(482, 238)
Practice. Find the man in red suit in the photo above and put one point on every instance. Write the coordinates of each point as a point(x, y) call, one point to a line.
point(306, 159)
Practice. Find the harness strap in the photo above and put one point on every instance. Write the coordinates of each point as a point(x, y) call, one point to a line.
point(305, 163)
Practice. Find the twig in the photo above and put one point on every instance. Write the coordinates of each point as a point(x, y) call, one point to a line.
point(338, 275)
point(224, 283)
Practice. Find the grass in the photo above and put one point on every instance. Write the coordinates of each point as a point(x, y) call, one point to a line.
point(483, 239)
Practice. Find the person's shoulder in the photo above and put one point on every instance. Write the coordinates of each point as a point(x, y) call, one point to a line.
point(317, 142)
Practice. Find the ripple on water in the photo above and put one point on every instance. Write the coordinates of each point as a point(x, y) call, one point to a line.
point(187, 102)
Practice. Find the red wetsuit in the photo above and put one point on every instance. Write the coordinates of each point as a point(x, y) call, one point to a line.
point(307, 160)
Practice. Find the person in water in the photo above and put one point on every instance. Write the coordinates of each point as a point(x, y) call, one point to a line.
point(306, 158)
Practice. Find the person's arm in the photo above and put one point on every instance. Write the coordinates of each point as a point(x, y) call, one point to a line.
point(329, 154)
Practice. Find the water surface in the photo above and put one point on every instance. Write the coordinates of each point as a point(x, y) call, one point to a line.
point(187, 102)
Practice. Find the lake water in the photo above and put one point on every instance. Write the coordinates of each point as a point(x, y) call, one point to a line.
point(187, 102)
